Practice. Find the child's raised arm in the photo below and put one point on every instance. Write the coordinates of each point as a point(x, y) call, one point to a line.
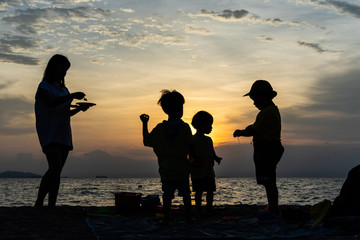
point(145, 119)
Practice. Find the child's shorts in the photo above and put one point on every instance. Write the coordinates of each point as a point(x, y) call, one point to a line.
point(206, 184)
point(169, 187)
point(266, 157)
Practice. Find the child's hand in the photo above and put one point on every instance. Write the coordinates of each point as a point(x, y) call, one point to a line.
point(144, 118)
point(218, 159)
point(237, 133)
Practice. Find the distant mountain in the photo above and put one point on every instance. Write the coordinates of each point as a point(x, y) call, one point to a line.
point(15, 174)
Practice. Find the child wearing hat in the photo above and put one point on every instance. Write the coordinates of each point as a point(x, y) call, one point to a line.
point(266, 133)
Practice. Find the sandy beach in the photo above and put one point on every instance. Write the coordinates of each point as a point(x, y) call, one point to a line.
point(224, 222)
point(31, 223)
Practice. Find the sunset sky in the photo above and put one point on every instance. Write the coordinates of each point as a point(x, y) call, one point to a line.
point(123, 53)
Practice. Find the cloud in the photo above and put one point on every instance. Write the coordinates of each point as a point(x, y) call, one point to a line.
point(137, 40)
point(332, 116)
point(241, 15)
point(298, 161)
point(90, 164)
point(343, 7)
point(79, 21)
point(314, 46)
point(99, 162)
point(7, 84)
point(20, 59)
point(5, 4)
point(225, 15)
point(9, 44)
point(265, 38)
point(14, 117)
point(8, 41)
point(202, 31)
point(30, 21)
point(127, 10)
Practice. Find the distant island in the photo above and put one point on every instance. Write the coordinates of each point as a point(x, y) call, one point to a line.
point(15, 174)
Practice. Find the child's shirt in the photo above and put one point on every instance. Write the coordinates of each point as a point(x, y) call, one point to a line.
point(267, 125)
point(202, 155)
point(170, 141)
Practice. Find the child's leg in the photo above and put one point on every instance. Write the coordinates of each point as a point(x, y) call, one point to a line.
point(168, 194)
point(272, 196)
point(166, 203)
point(187, 203)
point(198, 200)
point(209, 199)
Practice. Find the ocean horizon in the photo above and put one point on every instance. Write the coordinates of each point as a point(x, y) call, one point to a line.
point(17, 192)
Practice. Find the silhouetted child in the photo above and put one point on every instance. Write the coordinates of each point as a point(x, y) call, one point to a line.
point(266, 132)
point(170, 141)
point(202, 157)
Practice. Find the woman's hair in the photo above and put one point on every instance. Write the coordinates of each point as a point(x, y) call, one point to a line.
point(50, 70)
point(201, 118)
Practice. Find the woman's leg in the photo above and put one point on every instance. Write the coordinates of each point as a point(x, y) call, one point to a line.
point(43, 190)
point(56, 156)
point(54, 189)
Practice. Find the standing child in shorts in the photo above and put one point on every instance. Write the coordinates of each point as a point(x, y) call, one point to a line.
point(266, 132)
point(202, 156)
point(170, 142)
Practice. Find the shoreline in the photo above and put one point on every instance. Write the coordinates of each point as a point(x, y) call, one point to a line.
point(78, 222)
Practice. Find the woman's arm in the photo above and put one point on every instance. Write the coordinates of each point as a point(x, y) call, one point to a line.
point(50, 101)
point(78, 109)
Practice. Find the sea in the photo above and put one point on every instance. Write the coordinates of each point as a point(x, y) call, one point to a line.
point(18, 192)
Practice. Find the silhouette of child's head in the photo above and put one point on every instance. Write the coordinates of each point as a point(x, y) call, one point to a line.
point(202, 121)
point(261, 88)
point(172, 103)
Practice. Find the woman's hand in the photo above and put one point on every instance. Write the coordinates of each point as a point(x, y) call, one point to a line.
point(83, 107)
point(78, 95)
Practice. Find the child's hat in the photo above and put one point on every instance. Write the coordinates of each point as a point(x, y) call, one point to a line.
point(261, 87)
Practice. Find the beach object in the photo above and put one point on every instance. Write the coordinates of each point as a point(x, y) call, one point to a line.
point(85, 104)
point(319, 211)
point(150, 202)
point(127, 202)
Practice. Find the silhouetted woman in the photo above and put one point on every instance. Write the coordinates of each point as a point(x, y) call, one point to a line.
point(52, 111)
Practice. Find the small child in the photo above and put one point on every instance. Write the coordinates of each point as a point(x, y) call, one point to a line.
point(170, 142)
point(202, 155)
point(266, 132)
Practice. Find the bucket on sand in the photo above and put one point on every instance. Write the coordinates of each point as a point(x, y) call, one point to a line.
point(127, 202)
point(150, 202)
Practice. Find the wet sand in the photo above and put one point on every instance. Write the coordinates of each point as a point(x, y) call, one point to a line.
point(68, 222)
